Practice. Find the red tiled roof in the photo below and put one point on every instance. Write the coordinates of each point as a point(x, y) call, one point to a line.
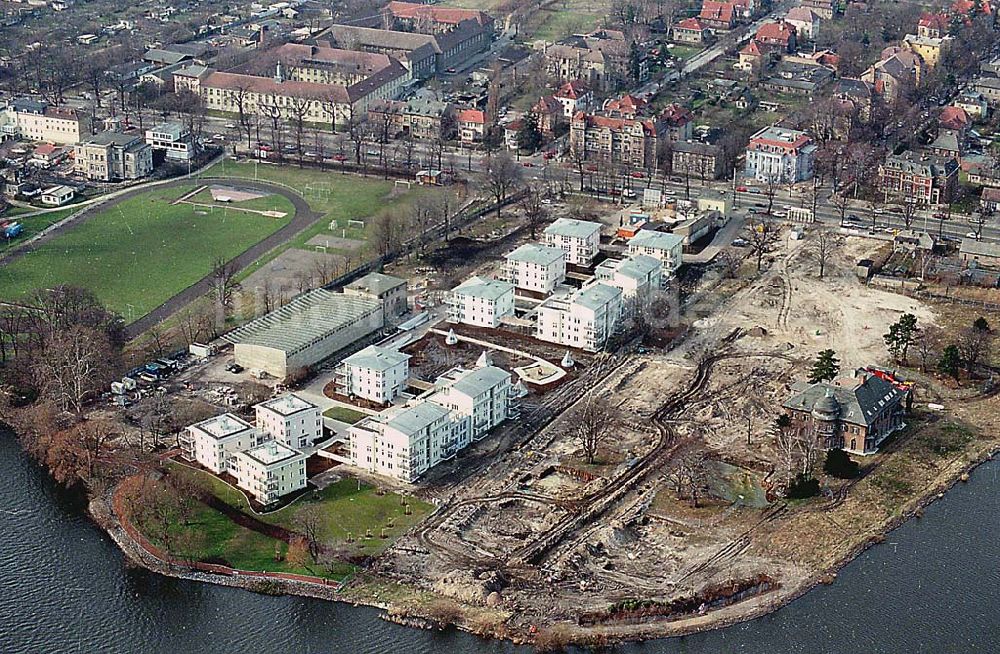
point(471, 116)
point(547, 104)
point(967, 6)
point(953, 118)
point(676, 115)
point(266, 85)
point(690, 24)
point(572, 90)
point(717, 11)
point(751, 49)
point(934, 21)
point(46, 149)
point(776, 32)
point(614, 124)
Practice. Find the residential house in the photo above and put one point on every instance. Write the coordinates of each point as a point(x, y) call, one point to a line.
point(718, 15)
point(549, 113)
point(858, 93)
point(677, 122)
point(823, 8)
point(585, 319)
point(579, 239)
point(928, 49)
point(919, 178)
point(112, 157)
point(779, 154)
point(269, 471)
point(979, 253)
point(933, 25)
point(947, 143)
point(988, 88)
point(632, 142)
point(627, 106)
point(856, 416)
point(806, 22)
point(574, 96)
point(47, 155)
point(377, 374)
point(691, 31)
point(753, 59)
point(896, 73)
point(666, 248)
point(481, 302)
point(422, 118)
point(777, 36)
point(990, 199)
point(972, 103)
point(537, 268)
point(56, 196)
point(471, 125)
point(600, 60)
point(954, 118)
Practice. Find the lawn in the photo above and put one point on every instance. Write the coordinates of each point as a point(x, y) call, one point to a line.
point(557, 25)
point(32, 224)
point(346, 507)
point(344, 414)
point(138, 253)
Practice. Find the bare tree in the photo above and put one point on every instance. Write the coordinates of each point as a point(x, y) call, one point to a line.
point(309, 524)
point(223, 282)
point(592, 422)
point(535, 211)
point(770, 190)
point(74, 366)
point(687, 473)
point(502, 176)
point(841, 203)
point(822, 248)
point(762, 235)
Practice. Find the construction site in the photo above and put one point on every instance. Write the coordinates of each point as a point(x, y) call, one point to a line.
point(677, 524)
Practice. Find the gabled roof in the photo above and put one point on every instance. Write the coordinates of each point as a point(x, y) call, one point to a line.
point(953, 118)
point(802, 15)
point(692, 24)
point(449, 15)
point(751, 49)
point(471, 116)
point(572, 90)
point(675, 115)
point(934, 21)
point(547, 104)
point(717, 11)
point(780, 32)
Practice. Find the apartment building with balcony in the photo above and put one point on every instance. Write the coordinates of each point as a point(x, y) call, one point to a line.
point(481, 302)
point(376, 374)
point(269, 471)
point(579, 239)
point(537, 268)
point(214, 442)
point(290, 420)
point(584, 319)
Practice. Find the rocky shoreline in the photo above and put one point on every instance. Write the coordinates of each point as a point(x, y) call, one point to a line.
point(100, 509)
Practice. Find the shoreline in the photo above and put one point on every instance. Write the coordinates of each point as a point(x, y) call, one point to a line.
point(100, 510)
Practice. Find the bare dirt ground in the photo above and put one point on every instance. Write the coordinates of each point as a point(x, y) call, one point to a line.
point(294, 270)
point(544, 545)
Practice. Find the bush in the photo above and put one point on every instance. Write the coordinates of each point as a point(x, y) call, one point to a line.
point(840, 465)
point(803, 487)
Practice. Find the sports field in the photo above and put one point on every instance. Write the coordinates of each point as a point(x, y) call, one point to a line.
point(138, 253)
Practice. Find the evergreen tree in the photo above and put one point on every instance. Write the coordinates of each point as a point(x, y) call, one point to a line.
point(900, 336)
point(950, 361)
point(839, 464)
point(529, 137)
point(825, 368)
point(981, 324)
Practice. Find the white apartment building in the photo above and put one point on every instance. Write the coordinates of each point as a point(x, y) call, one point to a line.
point(667, 248)
point(290, 420)
point(579, 239)
point(636, 276)
point(375, 373)
point(585, 319)
point(270, 471)
point(481, 302)
point(534, 267)
point(37, 121)
point(479, 400)
point(405, 442)
point(781, 155)
point(214, 442)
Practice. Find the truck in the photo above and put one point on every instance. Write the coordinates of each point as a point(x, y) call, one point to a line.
point(11, 229)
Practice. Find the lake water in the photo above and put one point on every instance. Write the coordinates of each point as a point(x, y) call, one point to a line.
point(932, 587)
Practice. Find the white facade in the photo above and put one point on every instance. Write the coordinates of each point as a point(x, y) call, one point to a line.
point(405, 442)
point(290, 420)
point(214, 442)
point(270, 471)
point(538, 268)
point(637, 277)
point(481, 302)
point(667, 248)
point(586, 319)
point(375, 373)
point(479, 400)
point(781, 155)
point(579, 239)
point(174, 139)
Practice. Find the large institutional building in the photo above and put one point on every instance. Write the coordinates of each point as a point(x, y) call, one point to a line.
point(780, 155)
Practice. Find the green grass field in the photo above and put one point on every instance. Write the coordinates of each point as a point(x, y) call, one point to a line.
point(32, 224)
point(137, 254)
point(345, 508)
point(343, 414)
